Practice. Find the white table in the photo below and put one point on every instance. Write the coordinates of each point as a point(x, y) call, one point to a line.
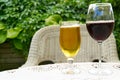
point(54, 72)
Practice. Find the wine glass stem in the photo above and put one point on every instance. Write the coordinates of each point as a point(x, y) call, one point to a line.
point(100, 54)
point(70, 64)
point(71, 68)
point(70, 60)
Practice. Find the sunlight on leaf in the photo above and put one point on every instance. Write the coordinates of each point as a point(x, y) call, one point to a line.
point(2, 26)
point(3, 0)
point(53, 19)
point(13, 32)
point(3, 36)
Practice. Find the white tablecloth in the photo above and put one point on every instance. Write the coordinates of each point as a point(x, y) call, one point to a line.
point(55, 72)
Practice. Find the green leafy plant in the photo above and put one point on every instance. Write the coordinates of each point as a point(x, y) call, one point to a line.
point(20, 19)
point(116, 9)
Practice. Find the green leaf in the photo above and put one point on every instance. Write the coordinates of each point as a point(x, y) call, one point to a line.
point(17, 43)
point(3, 36)
point(51, 23)
point(13, 32)
point(53, 20)
point(2, 26)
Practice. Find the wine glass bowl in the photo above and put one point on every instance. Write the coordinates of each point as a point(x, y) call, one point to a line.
point(100, 23)
point(70, 41)
point(100, 30)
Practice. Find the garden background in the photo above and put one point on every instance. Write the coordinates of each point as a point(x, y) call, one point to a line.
point(20, 19)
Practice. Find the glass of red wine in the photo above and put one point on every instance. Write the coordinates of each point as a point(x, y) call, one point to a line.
point(100, 23)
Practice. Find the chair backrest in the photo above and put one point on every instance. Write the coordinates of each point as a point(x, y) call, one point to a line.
point(45, 46)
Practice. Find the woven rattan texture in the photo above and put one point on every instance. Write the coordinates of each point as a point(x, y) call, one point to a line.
point(45, 46)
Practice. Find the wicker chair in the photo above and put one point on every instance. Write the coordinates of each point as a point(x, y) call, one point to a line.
point(45, 46)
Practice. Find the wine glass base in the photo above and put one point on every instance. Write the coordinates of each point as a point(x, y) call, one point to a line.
point(116, 66)
point(71, 71)
point(95, 79)
point(100, 72)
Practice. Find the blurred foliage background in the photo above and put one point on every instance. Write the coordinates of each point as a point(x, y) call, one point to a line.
point(20, 19)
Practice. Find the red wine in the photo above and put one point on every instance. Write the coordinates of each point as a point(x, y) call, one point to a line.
point(100, 30)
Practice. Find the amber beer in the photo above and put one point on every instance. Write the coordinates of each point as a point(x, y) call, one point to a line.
point(70, 40)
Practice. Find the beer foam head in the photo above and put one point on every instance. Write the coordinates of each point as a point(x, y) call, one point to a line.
point(70, 25)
